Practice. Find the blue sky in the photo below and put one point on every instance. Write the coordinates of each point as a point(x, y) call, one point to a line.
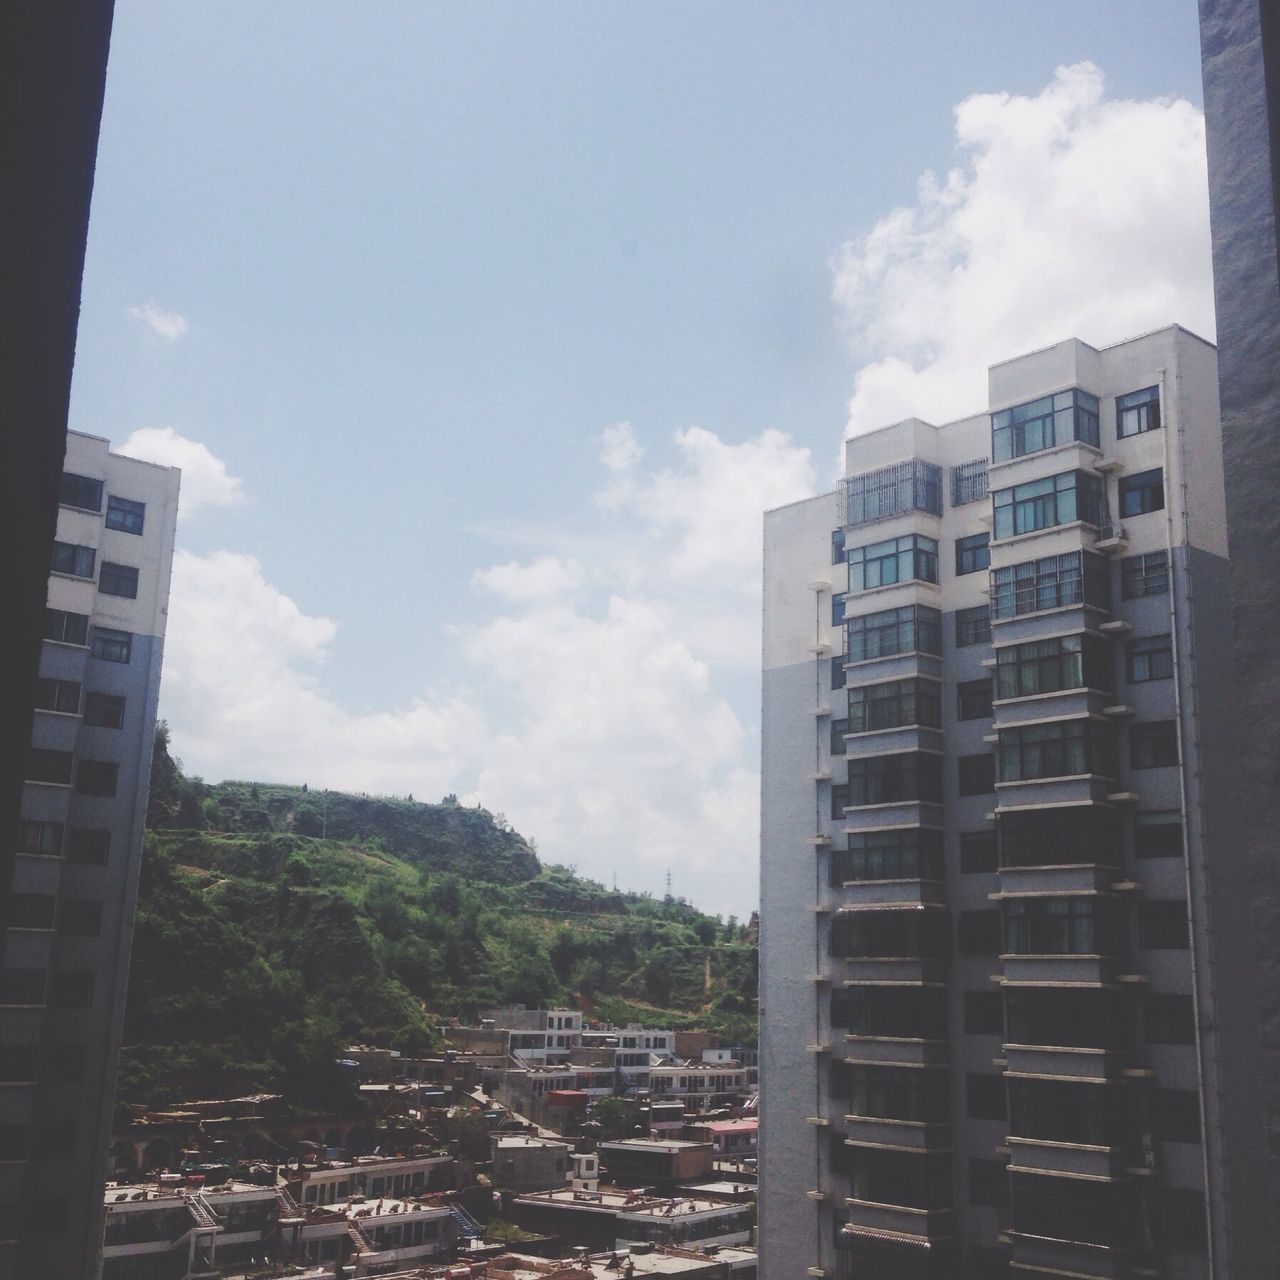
point(402, 270)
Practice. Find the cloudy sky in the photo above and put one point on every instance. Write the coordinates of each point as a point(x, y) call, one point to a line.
point(484, 333)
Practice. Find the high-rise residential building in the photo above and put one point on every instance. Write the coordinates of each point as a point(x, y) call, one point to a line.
point(987, 983)
point(68, 913)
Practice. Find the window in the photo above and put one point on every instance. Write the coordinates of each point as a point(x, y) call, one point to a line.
point(1057, 927)
point(105, 710)
point(837, 546)
point(896, 779)
point(71, 989)
point(913, 628)
point(83, 492)
point(837, 671)
point(1154, 745)
point(1081, 1017)
point(1041, 424)
point(66, 628)
point(1162, 926)
point(40, 837)
point(973, 699)
point(111, 646)
point(884, 934)
point(79, 918)
point(914, 485)
point(894, 704)
point(1150, 659)
point(839, 799)
point(1084, 836)
point(22, 986)
point(1051, 666)
point(989, 1181)
point(29, 911)
point(973, 626)
point(44, 765)
point(906, 1013)
point(983, 1013)
point(1045, 503)
point(1144, 575)
point(124, 514)
point(1175, 1115)
point(1063, 749)
point(1168, 1019)
point(977, 774)
point(891, 1093)
point(880, 564)
point(97, 777)
point(1142, 493)
point(837, 610)
point(977, 852)
point(1052, 582)
point(973, 553)
point(88, 847)
point(838, 729)
point(1138, 411)
point(978, 933)
point(118, 580)
point(969, 482)
point(1157, 834)
point(984, 1097)
point(73, 560)
point(911, 853)
point(58, 695)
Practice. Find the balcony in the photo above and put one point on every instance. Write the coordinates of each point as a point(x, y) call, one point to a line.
point(894, 971)
point(1058, 970)
point(910, 1135)
point(896, 1051)
point(1075, 1258)
point(1026, 881)
point(871, 893)
point(1064, 1062)
point(1069, 1159)
point(914, 1226)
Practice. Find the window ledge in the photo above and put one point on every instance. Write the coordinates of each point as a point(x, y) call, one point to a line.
point(1053, 449)
point(65, 715)
point(889, 657)
point(69, 577)
point(1057, 777)
point(893, 728)
point(1058, 608)
point(1014, 538)
point(67, 644)
point(40, 782)
point(1051, 693)
point(892, 586)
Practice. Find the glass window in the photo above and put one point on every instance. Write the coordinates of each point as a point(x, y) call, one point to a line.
point(1151, 659)
point(913, 628)
point(40, 837)
point(838, 729)
point(88, 846)
point(58, 695)
point(897, 779)
point(909, 1013)
point(870, 934)
point(1045, 503)
point(977, 852)
point(1162, 926)
point(978, 933)
point(1168, 1019)
point(97, 777)
point(1154, 745)
point(1063, 749)
point(1144, 575)
point(837, 671)
point(880, 564)
point(837, 546)
point(124, 514)
point(973, 553)
point(1158, 834)
point(111, 646)
point(1059, 838)
point(973, 699)
point(914, 485)
point(973, 626)
point(82, 492)
point(911, 853)
point(45, 765)
point(983, 1013)
point(837, 610)
point(104, 710)
point(1051, 666)
point(1142, 493)
point(1138, 411)
point(977, 774)
point(1052, 582)
point(1057, 926)
point(894, 704)
point(1041, 424)
point(891, 1093)
point(73, 560)
point(118, 580)
point(969, 482)
point(66, 628)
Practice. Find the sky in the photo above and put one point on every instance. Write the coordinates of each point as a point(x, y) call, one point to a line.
point(484, 334)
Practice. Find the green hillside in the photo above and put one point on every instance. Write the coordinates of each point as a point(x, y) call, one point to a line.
point(276, 924)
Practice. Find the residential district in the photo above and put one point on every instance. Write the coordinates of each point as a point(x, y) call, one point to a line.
point(533, 1146)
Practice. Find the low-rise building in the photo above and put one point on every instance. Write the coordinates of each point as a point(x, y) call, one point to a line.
point(731, 1139)
point(648, 1162)
point(331, 1181)
point(523, 1163)
point(698, 1083)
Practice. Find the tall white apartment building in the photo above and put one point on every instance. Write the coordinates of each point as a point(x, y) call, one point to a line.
point(68, 912)
point(987, 984)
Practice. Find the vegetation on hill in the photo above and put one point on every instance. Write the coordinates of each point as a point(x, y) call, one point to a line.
point(277, 924)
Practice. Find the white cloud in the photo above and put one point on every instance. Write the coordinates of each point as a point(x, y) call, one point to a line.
point(205, 479)
point(619, 448)
point(543, 579)
point(1069, 215)
point(168, 325)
